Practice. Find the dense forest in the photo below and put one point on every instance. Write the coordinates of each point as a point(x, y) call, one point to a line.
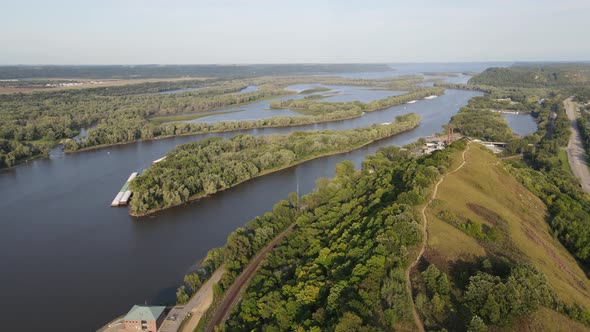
point(34, 122)
point(343, 267)
point(481, 119)
point(540, 76)
point(482, 124)
point(205, 167)
point(493, 293)
point(584, 126)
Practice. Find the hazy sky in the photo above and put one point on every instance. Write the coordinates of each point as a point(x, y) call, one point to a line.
point(274, 31)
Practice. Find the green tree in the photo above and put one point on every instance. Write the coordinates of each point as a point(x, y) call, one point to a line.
point(477, 325)
point(349, 323)
point(181, 296)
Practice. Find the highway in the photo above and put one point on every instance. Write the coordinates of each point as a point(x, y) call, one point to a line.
point(576, 154)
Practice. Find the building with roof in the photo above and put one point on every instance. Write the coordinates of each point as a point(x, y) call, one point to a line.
point(144, 318)
point(430, 147)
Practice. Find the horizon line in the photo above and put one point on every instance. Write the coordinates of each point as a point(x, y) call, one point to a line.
point(291, 63)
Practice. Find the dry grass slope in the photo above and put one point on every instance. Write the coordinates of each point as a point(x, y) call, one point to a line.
point(544, 320)
point(485, 193)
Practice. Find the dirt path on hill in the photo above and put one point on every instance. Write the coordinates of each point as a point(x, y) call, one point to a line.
point(417, 318)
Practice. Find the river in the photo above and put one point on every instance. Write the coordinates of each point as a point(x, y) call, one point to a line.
point(261, 109)
point(72, 263)
point(101, 260)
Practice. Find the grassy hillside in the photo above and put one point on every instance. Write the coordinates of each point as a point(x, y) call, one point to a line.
point(544, 320)
point(484, 219)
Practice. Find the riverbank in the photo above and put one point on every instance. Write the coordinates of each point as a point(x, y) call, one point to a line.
point(269, 171)
point(229, 130)
point(206, 113)
point(311, 121)
point(186, 117)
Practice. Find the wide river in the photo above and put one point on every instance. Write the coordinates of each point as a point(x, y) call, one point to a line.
point(261, 109)
point(72, 263)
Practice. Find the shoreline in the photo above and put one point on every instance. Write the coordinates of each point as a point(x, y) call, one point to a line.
point(266, 172)
point(102, 146)
point(259, 127)
point(213, 110)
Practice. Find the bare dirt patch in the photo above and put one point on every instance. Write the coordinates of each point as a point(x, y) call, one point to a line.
point(487, 214)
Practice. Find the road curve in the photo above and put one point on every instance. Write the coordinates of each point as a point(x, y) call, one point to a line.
point(417, 319)
point(233, 294)
point(576, 154)
point(194, 309)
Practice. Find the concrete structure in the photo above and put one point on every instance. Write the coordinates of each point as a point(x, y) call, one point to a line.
point(430, 147)
point(144, 318)
point(495, 147)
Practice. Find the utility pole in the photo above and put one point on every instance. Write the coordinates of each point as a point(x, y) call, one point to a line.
point(449, 134)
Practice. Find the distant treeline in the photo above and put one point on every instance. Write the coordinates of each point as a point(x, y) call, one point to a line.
point(161, 71)
point(536, 75)
point(30, 124)
point(205, 167)
point(317, 107)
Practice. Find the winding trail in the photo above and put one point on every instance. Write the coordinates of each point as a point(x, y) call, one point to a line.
point(417, 319)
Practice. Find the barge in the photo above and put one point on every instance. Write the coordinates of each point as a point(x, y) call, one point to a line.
point(158, 160)
point(124, 194)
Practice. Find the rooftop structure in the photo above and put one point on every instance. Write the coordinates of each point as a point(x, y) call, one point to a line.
point(144, 318)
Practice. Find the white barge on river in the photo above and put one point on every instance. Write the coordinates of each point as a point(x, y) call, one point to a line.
point(158, 160)
point(430, 97)
point(124, 194)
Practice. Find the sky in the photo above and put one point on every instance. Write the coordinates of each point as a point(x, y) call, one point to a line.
point(302, 31)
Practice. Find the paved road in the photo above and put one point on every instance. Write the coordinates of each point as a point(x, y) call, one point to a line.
point(576, 154)
point(194, 309)
point(233, 294)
